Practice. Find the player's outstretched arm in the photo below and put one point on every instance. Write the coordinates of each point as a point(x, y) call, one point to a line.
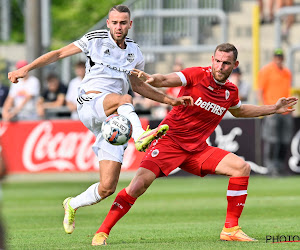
point(158, 80)
point(44, 60)
point(283, 105)
point(152, 93)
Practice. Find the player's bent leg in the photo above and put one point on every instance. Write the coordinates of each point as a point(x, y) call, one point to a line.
point(232, 165)
point(122, 204)
point(113, 101)
point(141, 182)
point(109, 176)
point(123, 105)
point(239, 171)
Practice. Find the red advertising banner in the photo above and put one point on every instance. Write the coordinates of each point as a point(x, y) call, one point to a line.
point(55, 145)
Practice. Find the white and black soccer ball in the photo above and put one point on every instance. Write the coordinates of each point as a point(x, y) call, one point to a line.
point(116, 129)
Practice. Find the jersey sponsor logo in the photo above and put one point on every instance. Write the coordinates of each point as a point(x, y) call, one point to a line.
point(126, 71)
point(210, 106)
point(130, 57)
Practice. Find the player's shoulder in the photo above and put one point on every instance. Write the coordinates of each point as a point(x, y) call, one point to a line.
point(197, 71)
point(97, 34)
point(131, 42)
point(231, 86)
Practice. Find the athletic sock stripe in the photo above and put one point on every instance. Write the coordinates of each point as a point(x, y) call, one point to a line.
point(236, 193)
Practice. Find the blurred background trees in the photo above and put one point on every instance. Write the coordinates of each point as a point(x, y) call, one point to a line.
point(70, 19)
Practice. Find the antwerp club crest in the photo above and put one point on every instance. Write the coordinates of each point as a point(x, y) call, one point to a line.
point(227, 93)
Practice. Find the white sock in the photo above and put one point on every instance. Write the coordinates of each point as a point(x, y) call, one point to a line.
point(88, 197)
point(128, 111)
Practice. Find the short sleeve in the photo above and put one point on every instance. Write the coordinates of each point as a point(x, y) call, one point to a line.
point(141, 62)
point(236, 102)
point(82, 44)
point(182, 78)
point(193, 74)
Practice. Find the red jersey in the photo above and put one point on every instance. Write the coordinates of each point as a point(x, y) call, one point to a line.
point(190, 126)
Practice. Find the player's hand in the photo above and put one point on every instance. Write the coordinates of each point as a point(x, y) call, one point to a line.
point(142, 76)
point(183, 100)
point(283, 104)
point(15, 75)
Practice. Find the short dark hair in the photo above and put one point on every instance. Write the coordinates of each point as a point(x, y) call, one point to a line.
point(120, 8)
point(80, 64)
point(52, 76)
point(227, 47)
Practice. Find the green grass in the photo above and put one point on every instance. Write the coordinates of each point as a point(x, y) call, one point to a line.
point(175, 213)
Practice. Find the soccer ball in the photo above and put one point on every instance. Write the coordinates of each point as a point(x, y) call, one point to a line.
point(116, 129)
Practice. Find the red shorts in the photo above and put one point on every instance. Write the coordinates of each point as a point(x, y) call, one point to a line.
point(165, 155)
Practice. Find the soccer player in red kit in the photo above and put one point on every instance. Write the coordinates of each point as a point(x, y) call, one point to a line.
point(185, 146)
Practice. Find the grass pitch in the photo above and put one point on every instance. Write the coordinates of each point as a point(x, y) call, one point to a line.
point(175, 213)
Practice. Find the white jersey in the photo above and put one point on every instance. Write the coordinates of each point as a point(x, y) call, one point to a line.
point(107, 65)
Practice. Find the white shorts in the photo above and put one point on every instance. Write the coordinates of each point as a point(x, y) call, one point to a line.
point(91, 114)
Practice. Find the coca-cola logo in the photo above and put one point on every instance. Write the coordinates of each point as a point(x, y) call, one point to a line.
point(44, 149)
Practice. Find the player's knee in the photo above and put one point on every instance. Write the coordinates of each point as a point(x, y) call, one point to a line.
point(125, 99)
point(137, 188)
point(106, 190)
point(244, 169)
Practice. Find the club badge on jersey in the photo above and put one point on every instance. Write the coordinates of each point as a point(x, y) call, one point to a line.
point(227, 93)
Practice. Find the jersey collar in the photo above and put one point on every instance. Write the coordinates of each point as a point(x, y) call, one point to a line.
point(114, 42)
point(220, 83)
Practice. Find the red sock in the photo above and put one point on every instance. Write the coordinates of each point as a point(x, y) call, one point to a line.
point(120, 207)
point(236, 198)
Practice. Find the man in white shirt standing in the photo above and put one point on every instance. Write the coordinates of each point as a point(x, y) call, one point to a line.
point(20, 103)
point(103, 91)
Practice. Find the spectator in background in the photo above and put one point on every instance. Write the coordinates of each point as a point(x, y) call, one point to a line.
point(274, 82)
point(244, 87)
point(52, 98)
point(288, 21)
point(276, 4)
point(3, 94)
point(72, 92)
point(20, 103)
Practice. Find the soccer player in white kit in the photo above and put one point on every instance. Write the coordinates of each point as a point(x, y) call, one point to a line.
point(103, 91)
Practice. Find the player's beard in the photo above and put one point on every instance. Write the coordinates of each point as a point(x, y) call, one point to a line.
point(221, 78)
point(119, 38)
